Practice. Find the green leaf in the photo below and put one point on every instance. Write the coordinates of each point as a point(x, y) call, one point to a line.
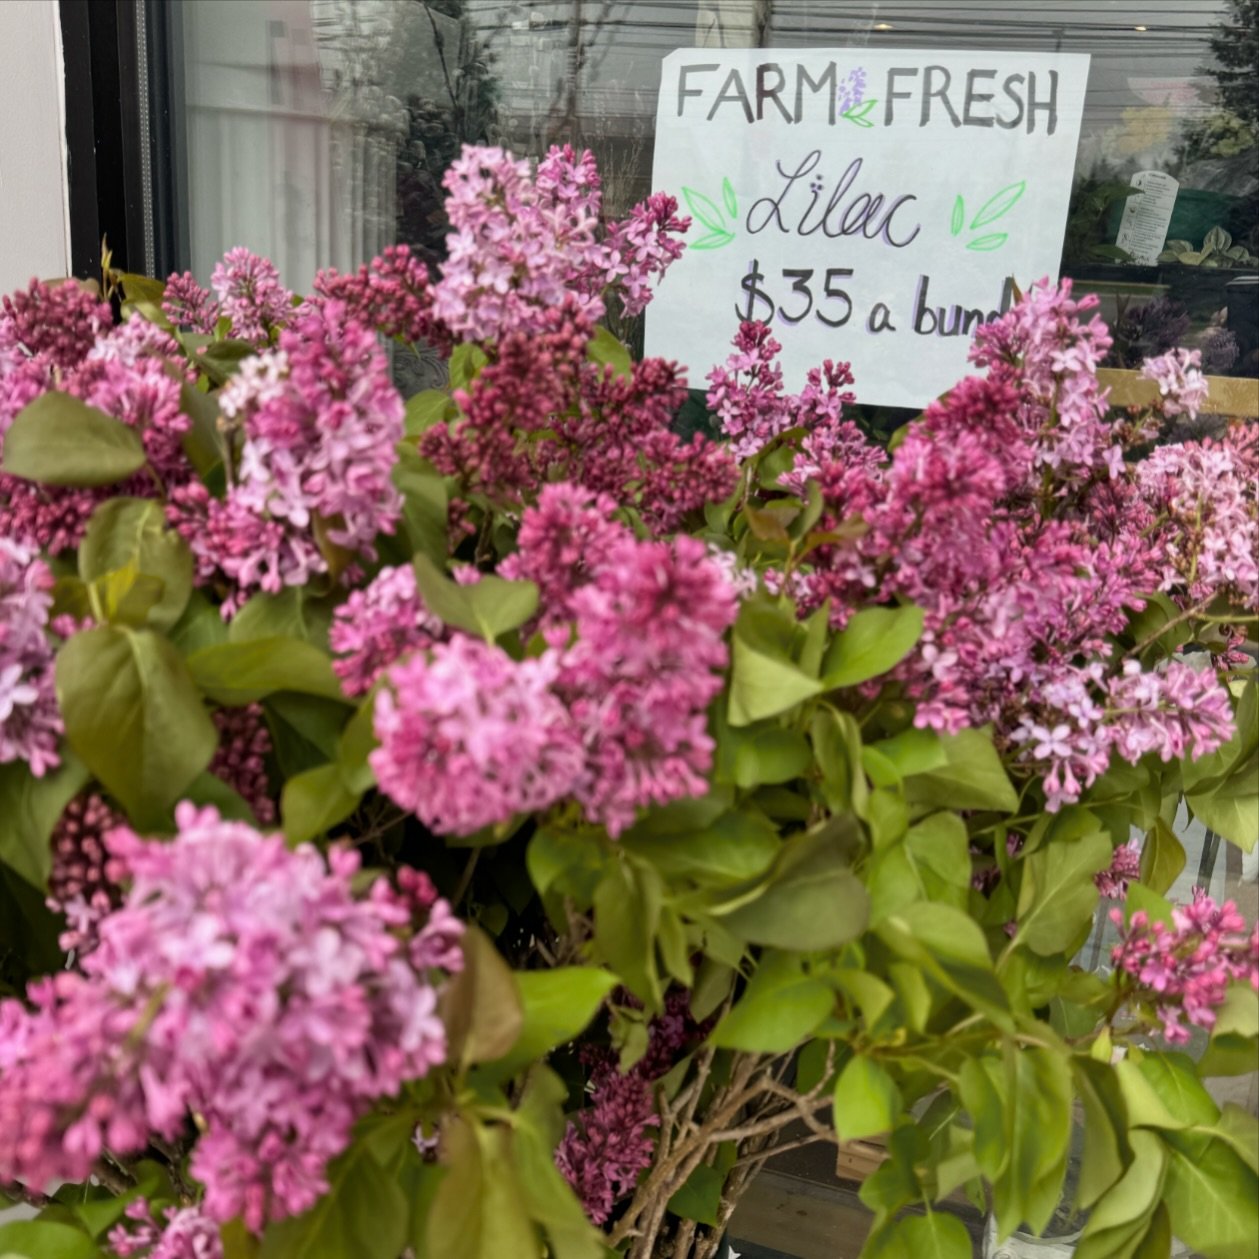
point(986, 244)
point(200, 626)
point(605, 349)
point(705, 209)
point(999, 204)
point(1207, 772)
point(912, 751)
point(548, 1197)
point(489, 608)
point(426, 409)
point(1162, 1090)
point(58, 440)
point(241, 673)
point(206, 788)
point(202, 442)
point(627, 906)
point(1058, 896)
point(873, 642)
point(134, 717)
point(958, 219)
point(44, 1239)
point(950, 946)
point(557, 1005)
point(221, 359)
point(1037, 1133)
point(1105, 1129)
point(424, 502)
point(124, 531)
point(1233, 1049)
point(1211, 1198)
point(735, 847)
point(29, 809)
point(780, 1007)
point(1232, 808)
point(293, 613)
point(363, 1215)
point(973, 778)
point(867, 1101)
point(699, 1198)
point(810, 900)
point(727, 195)
point(763, 686)
point(768, 756)
point(478, 1211)
point(315, 801)
point(936, 1235)
point(1119, 1219)
point(481, 1006)
point(466, 361)
point(566, 863)
point(1162, 858)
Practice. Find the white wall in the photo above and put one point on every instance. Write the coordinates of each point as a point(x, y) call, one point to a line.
point(34, 225)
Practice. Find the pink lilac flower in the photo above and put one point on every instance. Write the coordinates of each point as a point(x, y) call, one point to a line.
point(514, 247)
point(1124, 867)
point(1183, 970)
point(30, 721)
point(752, 411)
point(392, 295)
point(56, 324)
point(240, 760)
point(79, 883)
point(563, 540)
point(643, 247)
point(182, 1233)
point(240, 980)
point(320, 420)
point(1181, 385)
point(187, 305)
point(638, 679)
point(469, 737)
point(1206, 499)
point(250, 295)
point(379, 624)
point(609, 1142)
point(521, 242)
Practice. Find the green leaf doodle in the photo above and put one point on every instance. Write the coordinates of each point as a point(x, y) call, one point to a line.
point(727, 195)
point(708, 212)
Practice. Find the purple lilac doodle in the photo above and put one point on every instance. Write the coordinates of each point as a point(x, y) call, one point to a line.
point(852, 90)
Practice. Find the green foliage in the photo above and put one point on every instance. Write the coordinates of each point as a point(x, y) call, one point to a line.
point(238, 673)
point(134, 717)
point(29, 809)
point(44, 1239)
point(874, 641)
point(127, 532)
point(58, 440)
point(491, 607)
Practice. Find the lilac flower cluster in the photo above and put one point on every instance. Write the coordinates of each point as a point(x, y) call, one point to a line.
point(320, 420)
point(469, 736)
point(609, 1143)
point(250, 298)
point(241, 981)
point(240, 759)
point(377, 625)
point(1009, 515)
point(61, 338)
point(391, 295)
point(1205, 500)
point(79, 885)
point(30, 721)
point(747, 397)
point(1184, 969)
point(520, 243)
point(1124, 867)
point(541, 413)
point(614, 714)
point(182, 1233)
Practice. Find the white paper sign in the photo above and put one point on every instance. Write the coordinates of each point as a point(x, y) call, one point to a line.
point(1147, 215)
point(871, 205)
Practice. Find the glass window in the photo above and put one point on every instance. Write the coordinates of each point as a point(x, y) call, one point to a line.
point(317, 131)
